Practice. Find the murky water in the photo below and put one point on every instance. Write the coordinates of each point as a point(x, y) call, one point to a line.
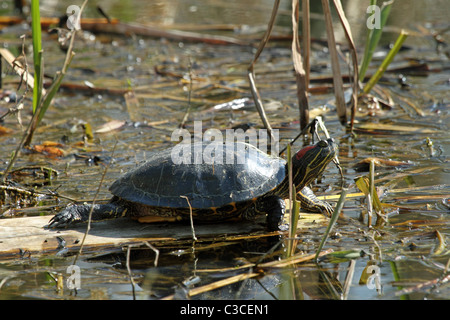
point(404, 253)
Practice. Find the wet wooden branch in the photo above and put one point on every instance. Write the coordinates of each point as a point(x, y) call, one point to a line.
point(114, 26)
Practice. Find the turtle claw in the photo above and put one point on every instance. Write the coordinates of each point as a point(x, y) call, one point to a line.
point(327, 209)
point(60, 221)
point(65, 218)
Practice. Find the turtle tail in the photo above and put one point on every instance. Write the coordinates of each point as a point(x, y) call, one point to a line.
point(80, 213)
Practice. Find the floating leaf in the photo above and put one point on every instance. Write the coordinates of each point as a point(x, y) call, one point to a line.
point(110, 126)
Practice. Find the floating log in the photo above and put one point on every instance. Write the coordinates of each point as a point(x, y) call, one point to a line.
point(25, 236)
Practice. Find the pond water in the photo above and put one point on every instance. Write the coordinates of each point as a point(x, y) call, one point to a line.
point(403, 254)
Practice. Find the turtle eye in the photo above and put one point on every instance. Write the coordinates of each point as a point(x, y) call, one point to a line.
point(322, 144)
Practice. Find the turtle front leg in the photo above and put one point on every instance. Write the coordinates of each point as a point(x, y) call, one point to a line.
point(80, 213)
point(309, 202)
point(275, 207)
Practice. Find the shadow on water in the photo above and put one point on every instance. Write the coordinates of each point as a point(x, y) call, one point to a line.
point(405, 259)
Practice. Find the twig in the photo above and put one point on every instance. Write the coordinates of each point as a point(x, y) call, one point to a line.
point(192, 220)
point(88, 228)
point(19, 68)
point(133, 284)
point(425, 285)
point(156, 251)
point(188, 111)
point(129, 272)
point(313, 124)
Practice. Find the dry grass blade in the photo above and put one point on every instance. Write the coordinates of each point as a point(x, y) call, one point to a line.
point(348, 35)
point(294, 207)
point(442, 244)
point(300, 76)
point(306, 37)
point(333, 220)
point(251, 75)
point(299, 258)
point(218, 284)
point(349, 278)
point(337, 78)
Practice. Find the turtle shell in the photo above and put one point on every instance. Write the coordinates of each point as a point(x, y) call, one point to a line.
point(239, 172)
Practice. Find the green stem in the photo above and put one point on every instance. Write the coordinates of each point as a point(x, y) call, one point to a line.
point(376, 77)
point(37, 47)
point(373, 37)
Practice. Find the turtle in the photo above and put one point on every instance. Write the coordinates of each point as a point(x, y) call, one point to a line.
point(216, 182)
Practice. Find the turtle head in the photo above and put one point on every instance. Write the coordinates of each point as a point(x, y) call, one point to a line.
point(311, 161)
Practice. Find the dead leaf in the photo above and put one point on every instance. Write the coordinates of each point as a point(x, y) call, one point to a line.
point(5, 131)
point(49, 150)
point(110, 126)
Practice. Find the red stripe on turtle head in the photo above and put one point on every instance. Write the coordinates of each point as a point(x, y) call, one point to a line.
point(302, 152)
